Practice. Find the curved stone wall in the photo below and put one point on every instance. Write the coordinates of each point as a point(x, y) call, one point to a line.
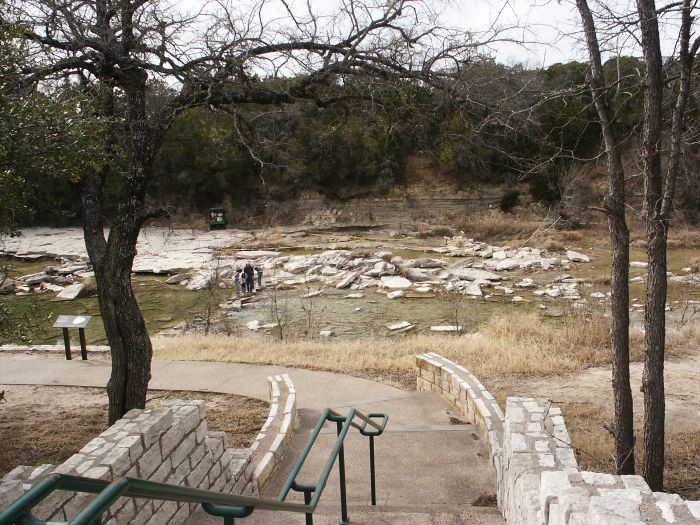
point(539, 482)
point(276, 434)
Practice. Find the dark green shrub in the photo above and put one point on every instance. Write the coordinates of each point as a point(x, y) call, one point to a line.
point(509, 200)
point(544, 188)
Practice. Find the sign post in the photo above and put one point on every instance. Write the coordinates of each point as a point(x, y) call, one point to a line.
point(73, 321)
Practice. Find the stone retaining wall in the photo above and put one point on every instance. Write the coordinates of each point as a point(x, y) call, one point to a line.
point(170, 444)
point(539, 482)
point(276, 434)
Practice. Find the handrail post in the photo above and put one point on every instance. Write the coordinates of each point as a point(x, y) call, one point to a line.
point(372, 485)
point(341, 475)
point(309, 515)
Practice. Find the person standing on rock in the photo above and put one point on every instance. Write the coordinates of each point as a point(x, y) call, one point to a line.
point(259, 272)
point(249, 277)
point(237, 282)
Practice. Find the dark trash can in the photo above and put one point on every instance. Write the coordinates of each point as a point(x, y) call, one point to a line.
point(217, 219)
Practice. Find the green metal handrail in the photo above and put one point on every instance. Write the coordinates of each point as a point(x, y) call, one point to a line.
point(226, 506)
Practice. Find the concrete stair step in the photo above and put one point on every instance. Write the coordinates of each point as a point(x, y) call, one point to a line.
point(429, 472)
point(367, 515)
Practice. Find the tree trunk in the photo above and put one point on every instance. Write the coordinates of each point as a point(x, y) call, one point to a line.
point(619, 338)
point(619, 245)
point(656, 226)
point(653, 375)
point(112, 258)
point(130, 344)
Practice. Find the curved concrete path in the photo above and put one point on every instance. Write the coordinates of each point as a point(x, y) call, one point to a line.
point(314, 389)
point(429, 471)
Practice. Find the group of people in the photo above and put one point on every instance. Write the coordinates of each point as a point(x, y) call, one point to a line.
point(245, 279)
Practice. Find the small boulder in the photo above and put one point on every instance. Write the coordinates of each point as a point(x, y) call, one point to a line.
point(177, 279)
point(507, 264)
point(475, 274)
point(577, 257)
point(415, 275)
point(396, 294)
point(472, 289)
point(526, 283)
point(394, 281)
point(347, 280)
point(403, 326)
point(446, 328)
point(70, 292)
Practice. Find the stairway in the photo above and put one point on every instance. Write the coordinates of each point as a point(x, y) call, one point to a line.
point(429, 471)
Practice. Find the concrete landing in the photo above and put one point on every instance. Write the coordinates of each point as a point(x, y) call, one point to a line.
point(428, 471)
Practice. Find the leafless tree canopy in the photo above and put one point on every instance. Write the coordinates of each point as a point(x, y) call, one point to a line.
point(112, 39)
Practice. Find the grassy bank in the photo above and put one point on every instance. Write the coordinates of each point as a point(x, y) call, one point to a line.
point(503, 346)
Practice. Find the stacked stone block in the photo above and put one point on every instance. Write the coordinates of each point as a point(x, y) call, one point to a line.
point(170, 444)
point(276, 434)
point(535, 439)
point(545, 486)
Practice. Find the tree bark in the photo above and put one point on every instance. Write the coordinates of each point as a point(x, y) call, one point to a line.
point(655, 226)
point(619, 244)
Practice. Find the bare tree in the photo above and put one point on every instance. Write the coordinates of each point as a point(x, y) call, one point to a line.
point(659, 187)
point(614, 204)
point(211, 290)
point(312, 313)
point(280, 309)
point(213, 57)
point(659, 190)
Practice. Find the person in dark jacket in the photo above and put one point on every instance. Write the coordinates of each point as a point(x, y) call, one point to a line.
point(249, 277)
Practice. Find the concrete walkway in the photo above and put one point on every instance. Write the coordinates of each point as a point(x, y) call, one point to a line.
point(315, 390)
point(428, 470)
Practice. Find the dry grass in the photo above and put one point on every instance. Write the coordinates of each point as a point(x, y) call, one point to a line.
point(496, 226)
point(694, 264)
point(56, 427)
point(426, 231)
point(679, 236)
point(684, 236)
point(553, 245)
point(504, 346)
point(594, 447)
point(560, 240)
point(35, 435)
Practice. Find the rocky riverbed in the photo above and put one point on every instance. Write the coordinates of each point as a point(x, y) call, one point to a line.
point(331, 274)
